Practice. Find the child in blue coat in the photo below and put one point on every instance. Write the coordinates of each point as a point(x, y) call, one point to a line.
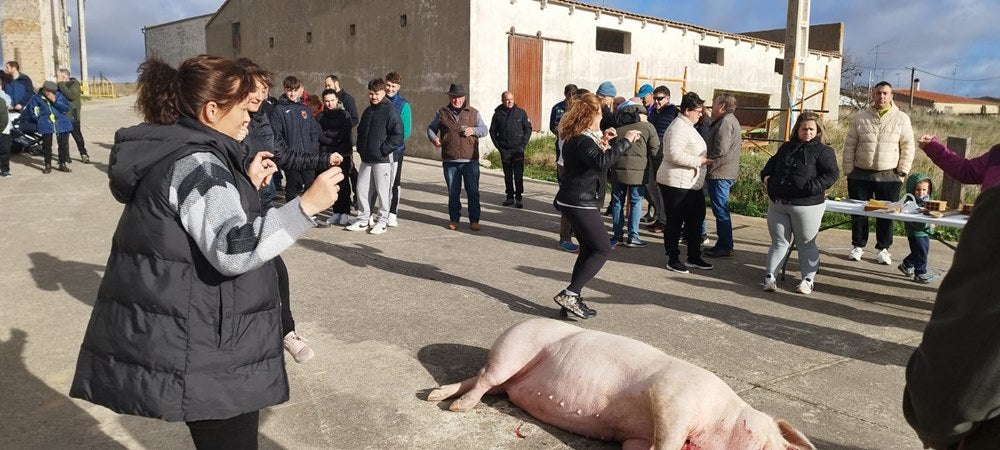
point(47, 110)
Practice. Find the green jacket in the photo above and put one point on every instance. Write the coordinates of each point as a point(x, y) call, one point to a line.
point(917, 229)
point(71, 89)
point(631, 167)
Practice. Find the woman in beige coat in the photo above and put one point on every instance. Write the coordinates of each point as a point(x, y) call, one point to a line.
point(681, 177)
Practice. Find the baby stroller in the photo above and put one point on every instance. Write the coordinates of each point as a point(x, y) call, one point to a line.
point(25, 138)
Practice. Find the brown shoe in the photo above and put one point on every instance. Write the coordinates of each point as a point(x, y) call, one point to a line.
point(47, 169)
point(452, 226)
point(474, 226)
point(63, 168)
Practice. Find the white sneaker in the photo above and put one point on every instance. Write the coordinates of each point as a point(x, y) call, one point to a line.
point(706, 242)
point(378, 228)
point(345, 219)
point(371, 220)
point(856, 254)
point(805, 287)
point(334, 219)
point(297, 346)
point(883, 257)
point(357, 225)
point(770, 285)
point(393, 222)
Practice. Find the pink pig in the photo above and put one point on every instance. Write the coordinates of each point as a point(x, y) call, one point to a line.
point(618, 389)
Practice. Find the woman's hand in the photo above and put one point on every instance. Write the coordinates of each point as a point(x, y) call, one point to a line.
point(261, 169)
point(336, 159)
point(610, 134)
point(765, 181)
point(630, 135)
point(925, 139)
point(323, 192)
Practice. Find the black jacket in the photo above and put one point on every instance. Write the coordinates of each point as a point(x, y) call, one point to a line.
point(295, 126)
point(261, 138)
point(510, 130)
point(585, 170)
point(800, 173)
point(952, 391)
point(335, 134)
point(350, 105)
point(171, 337)
point(380, 132)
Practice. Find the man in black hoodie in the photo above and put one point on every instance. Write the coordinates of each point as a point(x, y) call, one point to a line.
point(510, 131)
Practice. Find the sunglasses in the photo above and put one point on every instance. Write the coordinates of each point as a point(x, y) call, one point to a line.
point(658, 98)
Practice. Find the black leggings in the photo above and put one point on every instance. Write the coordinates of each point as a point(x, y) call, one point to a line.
point(238, 432)
point(287, 322)
point(595, 245)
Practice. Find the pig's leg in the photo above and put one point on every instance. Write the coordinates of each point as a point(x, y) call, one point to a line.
point(450, 390)
point(489, 381)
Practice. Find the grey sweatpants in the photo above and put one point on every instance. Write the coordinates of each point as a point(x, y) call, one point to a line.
point(783, 221)
point(379, 176)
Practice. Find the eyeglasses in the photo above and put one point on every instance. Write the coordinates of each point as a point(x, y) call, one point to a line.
point(659, 98)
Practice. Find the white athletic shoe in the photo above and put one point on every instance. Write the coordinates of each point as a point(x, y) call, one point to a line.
point(805, 287)
point(856, 254)
point(357, 225)
point(393, 222)
point(770, 285)
point(334, 219)
point(378, 228)
point(883, 257)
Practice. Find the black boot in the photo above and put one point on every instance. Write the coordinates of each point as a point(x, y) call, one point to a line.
point(48, 168)
point(63, 168)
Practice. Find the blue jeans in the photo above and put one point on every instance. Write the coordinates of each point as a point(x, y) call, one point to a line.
point(718, 194)
point(917, 259)
point(635, 194)
point(457, 174)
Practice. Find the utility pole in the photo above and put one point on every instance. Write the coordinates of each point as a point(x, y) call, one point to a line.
point(81, 22)
point(796, 52)
point(913, 73)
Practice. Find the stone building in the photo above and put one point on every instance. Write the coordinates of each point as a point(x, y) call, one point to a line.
point(531, 47)
point(173, 42)
point(945, 103)
point(35, 33)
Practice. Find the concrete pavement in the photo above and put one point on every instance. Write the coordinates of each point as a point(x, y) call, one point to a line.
point(390, 316)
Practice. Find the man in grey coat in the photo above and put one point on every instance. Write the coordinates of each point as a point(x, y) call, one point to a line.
point(724, 140)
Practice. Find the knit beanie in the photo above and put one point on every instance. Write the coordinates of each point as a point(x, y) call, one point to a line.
point(607, 89)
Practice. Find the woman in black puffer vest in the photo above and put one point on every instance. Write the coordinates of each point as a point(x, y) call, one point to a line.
point(796, 179)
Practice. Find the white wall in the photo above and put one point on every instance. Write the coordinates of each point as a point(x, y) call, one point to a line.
point(662, 50)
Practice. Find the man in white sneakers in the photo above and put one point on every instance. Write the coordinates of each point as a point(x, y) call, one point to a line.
point(878, 154)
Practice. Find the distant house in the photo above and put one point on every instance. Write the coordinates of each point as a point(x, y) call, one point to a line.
point(944, 103)
point(173, 42)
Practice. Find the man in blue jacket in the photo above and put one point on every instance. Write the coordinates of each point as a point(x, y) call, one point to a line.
point(47, 110)
point(20, 89)
point(295, 126)
point(393, 81)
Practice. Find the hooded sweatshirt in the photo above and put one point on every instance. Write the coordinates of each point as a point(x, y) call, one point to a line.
point(918, 229)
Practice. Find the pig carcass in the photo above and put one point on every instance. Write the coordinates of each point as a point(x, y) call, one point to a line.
point(615, 388)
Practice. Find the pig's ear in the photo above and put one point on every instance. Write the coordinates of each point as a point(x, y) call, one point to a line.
point(795, 439)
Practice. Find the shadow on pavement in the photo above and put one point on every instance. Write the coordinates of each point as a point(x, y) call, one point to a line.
point(825, 339)
point(65, 424)
point(367, 256)
point(78, 279)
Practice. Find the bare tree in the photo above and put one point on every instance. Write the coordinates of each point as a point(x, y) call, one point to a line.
point(851, 70)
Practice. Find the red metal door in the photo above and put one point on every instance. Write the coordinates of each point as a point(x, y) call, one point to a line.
point(524, 76)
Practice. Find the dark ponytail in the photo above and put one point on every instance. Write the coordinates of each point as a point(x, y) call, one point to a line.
point(166, 94)
point(156, 98)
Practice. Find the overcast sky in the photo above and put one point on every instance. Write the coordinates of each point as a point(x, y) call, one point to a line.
point(953, 43)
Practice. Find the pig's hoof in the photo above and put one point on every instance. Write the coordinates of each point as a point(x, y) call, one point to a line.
point(437, 395)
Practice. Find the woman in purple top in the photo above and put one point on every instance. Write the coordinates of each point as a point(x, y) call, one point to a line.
point(984, 169)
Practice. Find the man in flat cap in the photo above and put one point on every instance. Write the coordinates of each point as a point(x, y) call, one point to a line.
point(456, 129)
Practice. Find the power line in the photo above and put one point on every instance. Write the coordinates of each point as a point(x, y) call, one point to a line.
point(958, 79)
